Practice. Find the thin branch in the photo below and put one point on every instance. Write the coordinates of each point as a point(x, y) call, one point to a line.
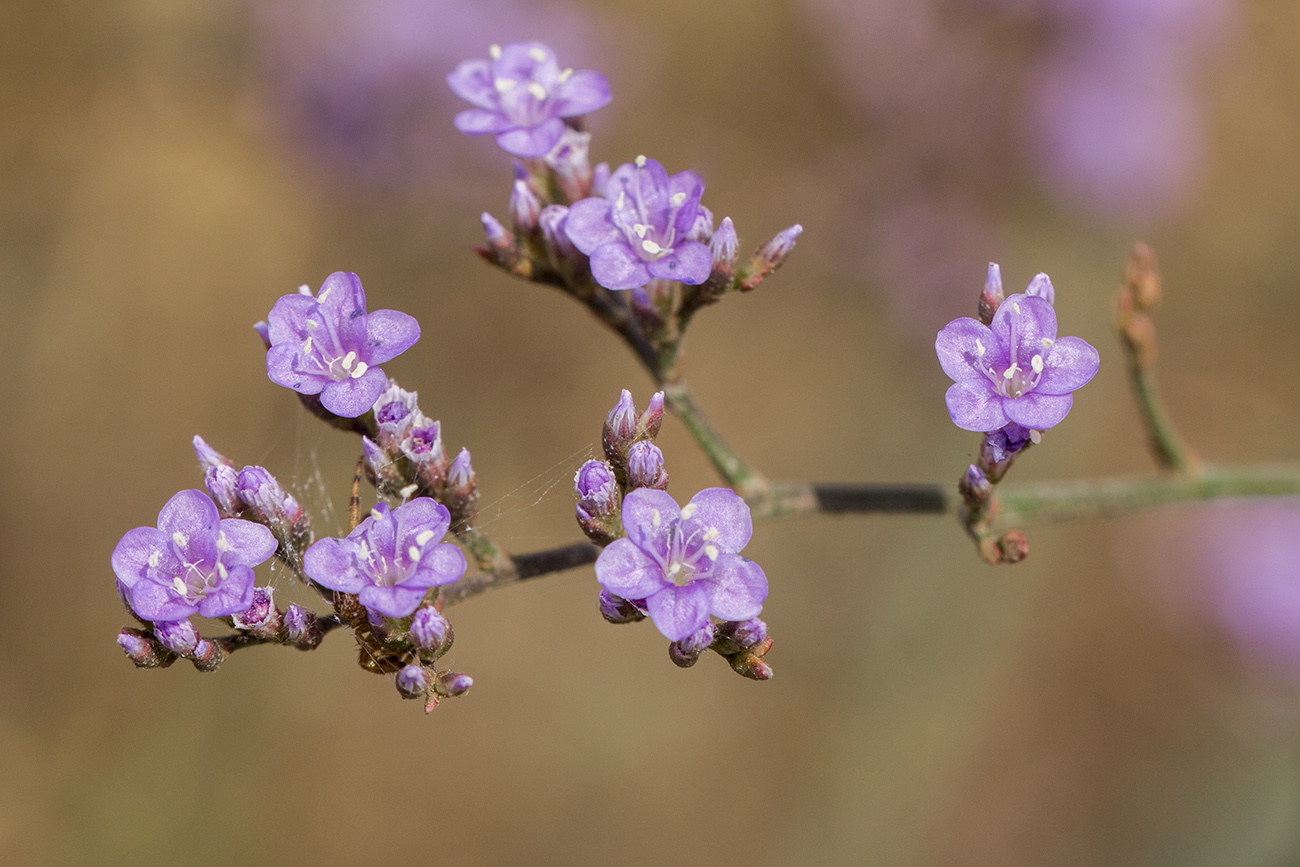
point(523, 567)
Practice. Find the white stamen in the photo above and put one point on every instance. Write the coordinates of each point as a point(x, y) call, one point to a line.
point(360, 370)
point(414, 553)
point(979, 348)
point(324, 293)
point(1036, 363)
point(408, 490)
point(503, 84)
point(155, 556)
point(494, 51)
point(1016, 306)
point(222, 571)
point(349, 360)
point(651, 247)
point(711, 534)
point(640, 161)
point(537, 54)
point(640, 229)
point(304, 289)
point(565, 75)
point(1010, 371)
point(423, 538)
point(223, 544)
point(180, 539)
point(618, 205)
point(655, 518)
point(1047, 342)
point(180, 587)
point(1035, 436)
point(306, 346)
point(537, 90)
point(677, 199)
point(312, 323)
point(711, 551)
point(688, 510)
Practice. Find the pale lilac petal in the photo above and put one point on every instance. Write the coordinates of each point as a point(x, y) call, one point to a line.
point(1039, 411)
point(536, 141)
point(1070, 364)
point(691, 262)
point(130, 558)
point(723, 509)
point(389, 333)
point(679, 611)
point(584, 92)
point(394, 602)
point(234, 594)
point(330, 563)
point(287, 321)
point(476, 121)
point(615, 266)
point(588, 226)
point(627, 571)
point(1034, 319)
point(974, 405)
point(472, 82)
point(189, 513)
point(1041, 287)
point(420, 515)
point(736, 588)
point(958, 349)
point(247, 543)
point(378, 533)
point(343, 301)
point(439, 564)
point(153, 601)
point(282, 368)
point(648, 515)
point(350, 398)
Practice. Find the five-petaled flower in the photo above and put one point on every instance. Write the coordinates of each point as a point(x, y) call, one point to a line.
point(329, 345)
point(1015, 369)
point(522, 96)
point(194, 562)
point(683, 562)
point(391, 559)
point(642, 227)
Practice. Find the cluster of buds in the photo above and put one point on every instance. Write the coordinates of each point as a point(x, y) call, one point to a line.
point(632, 460)
point(406, 457)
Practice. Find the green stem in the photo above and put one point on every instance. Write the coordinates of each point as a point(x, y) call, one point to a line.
point(1167, 446)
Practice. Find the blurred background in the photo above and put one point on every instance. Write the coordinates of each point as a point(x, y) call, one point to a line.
point(1128, 695)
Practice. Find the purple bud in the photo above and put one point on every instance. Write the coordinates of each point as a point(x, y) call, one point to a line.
point(261, 616)
point(260, 491)
point(616, 609)
point(686, 652)
point(569, 160)
point(525, 208)
point(423, 444)
point(599, 178)
point(723, 244)
point(178, 636)
point(620, 428)
point(769, 257)
point(144, 650)
point(649, 422)
point(645, 466)
point(558, 246)
point(430, 631)
point(297, 623)
point(208, 456)
point(498, 236)
point(975, 483)
point(413, 681)
point(453, 684)
point(702, 229)
point(1041, 286)
point(460, 478)
point(222, 484)
point(208, 655)
point(263, 331)
point(743, 634)
point(597, 489)
point(379, 466)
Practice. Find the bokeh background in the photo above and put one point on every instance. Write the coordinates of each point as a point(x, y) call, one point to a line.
point(1128, 695)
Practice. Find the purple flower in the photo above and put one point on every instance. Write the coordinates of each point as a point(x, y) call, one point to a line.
point(684, 562)
point(391, 559)
point(522, 97)
point(641, 228)
point(1013, 370)
point(329, 345)
point(194, 562)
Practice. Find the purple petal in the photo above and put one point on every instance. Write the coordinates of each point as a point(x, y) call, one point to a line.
point(974, 405)
point(691, 262)
point(235, 594)
point(378, 533)
point(343, 302)
point(536, 141)
point(476, 121)
point(420, 515)
point(439, 564)
point(389, 333)
point(282, 368)
point(585, 91)
point(1034, 319)
point(395, 601)
point(588, 225)
point(287, 321)
point(527, 61)
point(615, 266)
point(350, 398)
point(736, 588)
point(130, 558)
point(472, 82)
point(648, 515)
point(679, 611)
point(330, 563)
point(247, 543)
point(724, 509)
point(1070, 364)
point(959, 353)
point(190, 513)
point(153, 601)
point(1039, 411)
point(625, 570)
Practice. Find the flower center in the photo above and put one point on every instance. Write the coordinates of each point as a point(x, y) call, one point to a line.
point(1018, 378)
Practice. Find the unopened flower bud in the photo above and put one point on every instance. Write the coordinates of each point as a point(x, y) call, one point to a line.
point(501, 243)
point(525, 208)
point(261, 617)
point(144, 650)
point(297, 623)
point(686, 652)
point(750, 666)
point(413, 681)
point(770, 256)
point(430, 631)
point(620, 429)
point(991, 296)
point(735, 636)
point(264, 496)
point(423, 445)
point(723, 244)
point(452, 683)
point(616, 609)
point(569, 160)
point(178, 636)
point(1041, 286)
point(1142, 276)
point(559, 248)
point(1013, 546)
point(382, 471)
point(208, 655)
point(598, 500)
point(645, 466)
point(649, 422)
point(461, 478)
point(222, 484)
point(702, 229)
point(263, 331)
point(208, 456)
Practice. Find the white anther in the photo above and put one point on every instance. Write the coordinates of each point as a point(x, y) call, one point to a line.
point(979, 348)
point(1036, 363)
point(1016, 306)
point(423, 538)
point(414, 553)
point(640, 161)
point(155, 557)
point(324, 293)
point(711, 551)
point(408, 490)
point(655, 518)
point(312, 323)
point(1047, 342)
point(1035, 436)
point(711, 534)
point(494, 51)
point(503, 84)
point(688, 510)
point(677, 199)
point(651, 247)
point(223, 544)
point(360, 370)
point(306, 346)
point(640, 229)
point(222, 570)
point(180, 587)
point(537, 54)
point(180, 539)
point(304, 289)
point(566, 74)
point(1010, 371)
point(618, 205)
point(537, 90)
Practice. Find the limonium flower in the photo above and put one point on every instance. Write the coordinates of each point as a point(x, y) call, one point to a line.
point(641, 228)
point(1014, 370)
point(329, 345)
point(391, 559)
point(684, 562)
point(193, 562)
point(522, 96)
